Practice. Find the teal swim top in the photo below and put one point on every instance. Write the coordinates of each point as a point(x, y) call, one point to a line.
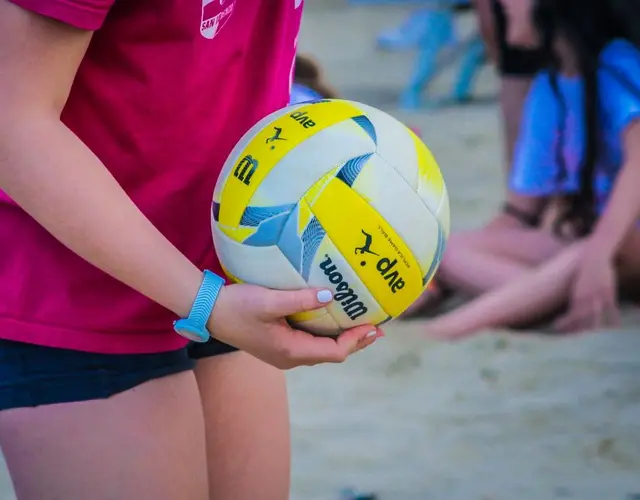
point(551, 145)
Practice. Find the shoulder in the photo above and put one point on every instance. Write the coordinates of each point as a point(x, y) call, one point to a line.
point(619, 79)
point(302, 93)
point(620, 58)
point(541, 89)
point(541, 103)
point(620, 50)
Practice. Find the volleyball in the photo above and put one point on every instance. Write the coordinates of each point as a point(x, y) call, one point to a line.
point(333, 194)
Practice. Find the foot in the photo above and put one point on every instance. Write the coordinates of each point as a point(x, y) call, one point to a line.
point(429, 302)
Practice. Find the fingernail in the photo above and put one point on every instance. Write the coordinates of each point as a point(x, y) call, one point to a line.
point(325, 296)
point(371, 334)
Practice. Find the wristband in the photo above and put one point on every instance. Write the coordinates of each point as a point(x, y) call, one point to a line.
point(194, 326)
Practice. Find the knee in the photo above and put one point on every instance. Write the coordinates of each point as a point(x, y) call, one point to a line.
point(464, 238)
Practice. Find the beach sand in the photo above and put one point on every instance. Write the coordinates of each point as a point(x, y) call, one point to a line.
point(498, 417)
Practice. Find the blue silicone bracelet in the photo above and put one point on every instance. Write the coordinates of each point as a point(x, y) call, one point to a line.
point(194, 326)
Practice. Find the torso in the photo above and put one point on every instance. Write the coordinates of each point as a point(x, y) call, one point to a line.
point(165, 91)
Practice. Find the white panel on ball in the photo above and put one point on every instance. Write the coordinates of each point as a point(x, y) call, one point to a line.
point(388, 193)
point(443, 213)
point(395, 144)
point(259, 265)
point(305, 164)
point(431, 193)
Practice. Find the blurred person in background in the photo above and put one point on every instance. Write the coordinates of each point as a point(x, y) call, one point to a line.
point(413, 29)
point(579, 139)
point(432, 30)
point(517, 65)
point(309, 82)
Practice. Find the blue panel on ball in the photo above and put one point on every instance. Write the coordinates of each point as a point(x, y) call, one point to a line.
point(350, 170)
point(215, 210)
point(367, 126)
point(312, 236)
point(300, 250)
point(254, 216)
point(289, 243)
point(268, 232)
point(442, 241)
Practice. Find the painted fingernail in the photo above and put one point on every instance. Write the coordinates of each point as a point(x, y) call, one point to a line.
point(371, 334)
point(325, 296)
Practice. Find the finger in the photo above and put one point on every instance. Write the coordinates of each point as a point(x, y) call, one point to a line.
point(569, 322)
point(286, 303)
point(351, 340)
point(309, 350)
point(595, 318)
point(612, 315)
point(369, 339)
point(561, 324)
point(580, 318)
point(611, 310)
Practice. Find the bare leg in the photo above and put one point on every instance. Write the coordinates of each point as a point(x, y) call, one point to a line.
point(145, 443)
point(481, 260)
point(477, 261)
point(535, 294)
point(247, 422)
point(473, 273)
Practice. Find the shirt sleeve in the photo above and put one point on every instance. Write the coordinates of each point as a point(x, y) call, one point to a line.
point(535, 169)
point(82, 14)
point(619, 79)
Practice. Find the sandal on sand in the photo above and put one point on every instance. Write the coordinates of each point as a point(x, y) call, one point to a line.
point(430, 300)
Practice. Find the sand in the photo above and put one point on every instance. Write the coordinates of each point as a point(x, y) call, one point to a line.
point(497, 417)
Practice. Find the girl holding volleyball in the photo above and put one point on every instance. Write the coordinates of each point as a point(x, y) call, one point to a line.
point(579, 139)
point(116, 119)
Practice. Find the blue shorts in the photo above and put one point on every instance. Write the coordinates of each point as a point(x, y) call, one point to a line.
point(33, 375)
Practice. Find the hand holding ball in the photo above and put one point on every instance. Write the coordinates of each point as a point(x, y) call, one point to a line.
point(338, 195)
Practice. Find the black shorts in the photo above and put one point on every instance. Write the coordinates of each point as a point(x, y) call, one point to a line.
point(513, 61)
point(32, 375)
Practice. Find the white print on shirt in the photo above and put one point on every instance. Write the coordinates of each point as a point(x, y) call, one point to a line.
point(293, 63)
point(215, 14)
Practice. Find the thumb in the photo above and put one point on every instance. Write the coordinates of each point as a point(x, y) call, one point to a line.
point(286, 303)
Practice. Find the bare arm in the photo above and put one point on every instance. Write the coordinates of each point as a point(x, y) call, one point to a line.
point(623, 209)
point(55, 178)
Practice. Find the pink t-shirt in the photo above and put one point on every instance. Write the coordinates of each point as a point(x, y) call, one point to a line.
point(165, 91)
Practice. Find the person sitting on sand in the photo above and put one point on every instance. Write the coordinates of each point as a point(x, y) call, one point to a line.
point(517, 66)
point(579, 139)
point(309, 83)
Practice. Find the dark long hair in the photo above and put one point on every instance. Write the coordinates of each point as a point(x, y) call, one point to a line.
point(587, 26)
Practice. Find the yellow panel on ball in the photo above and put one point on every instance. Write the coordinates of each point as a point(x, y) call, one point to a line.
point(383, 262)
point(428, 169)
point(261, 154)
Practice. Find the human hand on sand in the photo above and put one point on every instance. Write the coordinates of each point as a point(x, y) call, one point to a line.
point(593, 302)
point(253, 319)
